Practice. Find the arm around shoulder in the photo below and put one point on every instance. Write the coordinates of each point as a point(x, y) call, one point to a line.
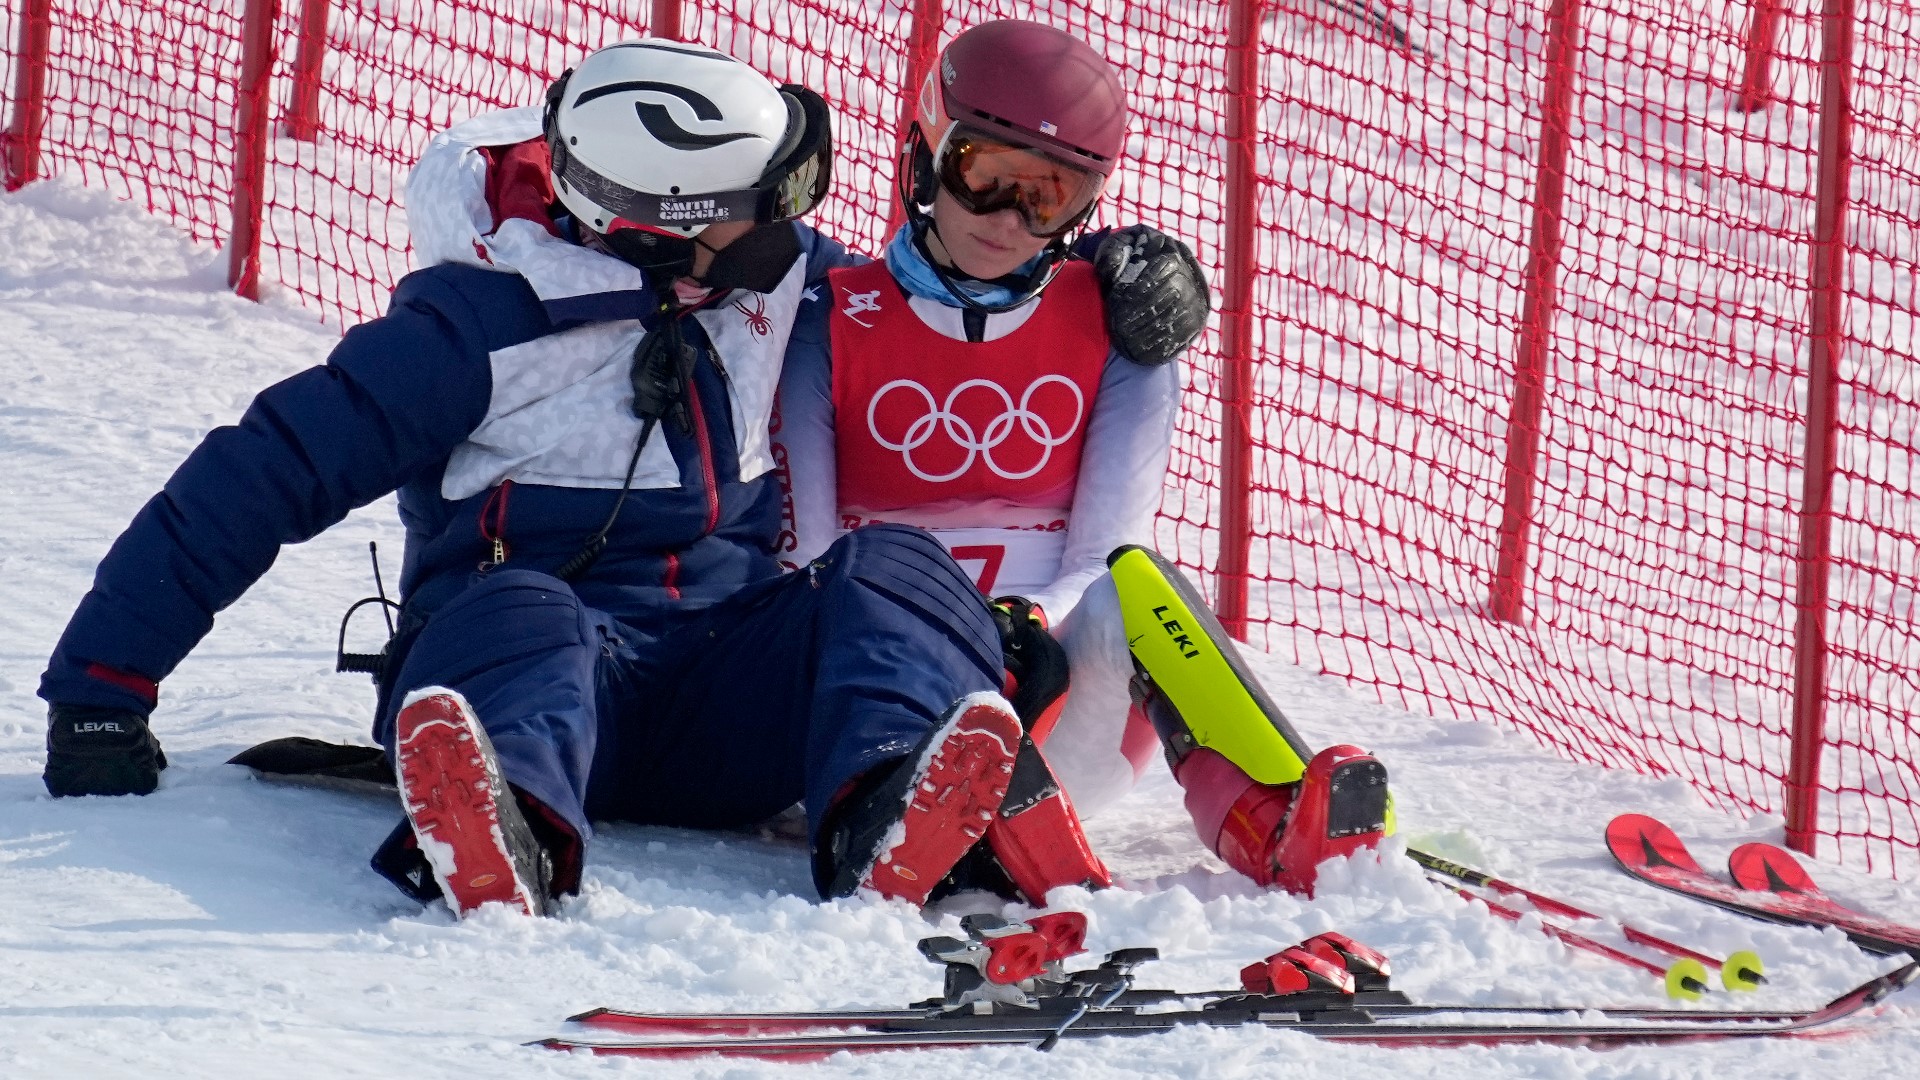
point(1157, 297)
point(824, 254)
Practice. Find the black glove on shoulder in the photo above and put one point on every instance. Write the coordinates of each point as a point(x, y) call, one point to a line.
point(93, 750)
point(1156, 293)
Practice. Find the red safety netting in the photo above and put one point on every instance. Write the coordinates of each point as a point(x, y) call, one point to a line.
point(396, 73)
point(1399, 187)
point(1398, 210)
point(139, 101)
point(1399, 172)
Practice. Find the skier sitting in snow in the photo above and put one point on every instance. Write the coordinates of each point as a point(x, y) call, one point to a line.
point(572, 401)
point(967, 385)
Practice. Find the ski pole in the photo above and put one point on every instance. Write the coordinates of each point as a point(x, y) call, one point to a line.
point(1687, 978)
point(1739, 971)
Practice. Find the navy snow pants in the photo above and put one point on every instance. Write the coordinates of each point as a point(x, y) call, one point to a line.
point(783, 692)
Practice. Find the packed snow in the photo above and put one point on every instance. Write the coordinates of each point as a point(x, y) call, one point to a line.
point(229, 927)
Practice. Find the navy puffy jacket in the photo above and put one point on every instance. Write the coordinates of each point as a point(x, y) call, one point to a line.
point(394, 399)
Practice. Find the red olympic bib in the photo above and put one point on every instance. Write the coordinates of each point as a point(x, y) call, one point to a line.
point(923, 420)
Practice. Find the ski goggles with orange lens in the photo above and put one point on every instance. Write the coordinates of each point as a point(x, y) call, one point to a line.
point(985, 174)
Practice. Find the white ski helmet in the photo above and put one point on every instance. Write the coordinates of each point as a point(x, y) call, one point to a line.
point(673, 137)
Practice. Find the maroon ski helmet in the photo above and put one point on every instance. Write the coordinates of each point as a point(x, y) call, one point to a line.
point(1035, 85)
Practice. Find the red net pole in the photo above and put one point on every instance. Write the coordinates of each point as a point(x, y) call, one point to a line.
point(250, 146)
point(923, 44)
point(1536, 319)
point(304, 103)
point(666, 20)
point(1756, 86)
point(1825, 341)
point(22, 157)
point(1236, 314)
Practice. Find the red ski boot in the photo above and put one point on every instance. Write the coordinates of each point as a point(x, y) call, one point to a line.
point(1341, 808)
point(1036, 836)
point(1280, 834)
point(465, 818)
point(900, 833)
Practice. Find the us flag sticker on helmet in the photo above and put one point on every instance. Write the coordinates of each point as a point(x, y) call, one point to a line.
point(1049, 128)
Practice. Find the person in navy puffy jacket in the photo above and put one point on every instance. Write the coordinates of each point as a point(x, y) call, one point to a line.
point(572, 400)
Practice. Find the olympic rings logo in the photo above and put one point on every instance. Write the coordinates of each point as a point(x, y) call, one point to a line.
point(978, 445)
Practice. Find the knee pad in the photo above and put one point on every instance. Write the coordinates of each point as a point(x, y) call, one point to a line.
point(1190, 678)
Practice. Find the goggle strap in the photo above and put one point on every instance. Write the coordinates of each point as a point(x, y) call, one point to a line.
point(779, 165)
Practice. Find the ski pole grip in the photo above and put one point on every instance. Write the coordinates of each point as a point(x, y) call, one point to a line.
point(1451, 869)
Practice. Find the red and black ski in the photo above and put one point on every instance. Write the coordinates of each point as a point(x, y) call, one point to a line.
point(1766, 870)
point(957, 1029)
point(1375, 1004)
point(1650, 851)
point(1006, 984)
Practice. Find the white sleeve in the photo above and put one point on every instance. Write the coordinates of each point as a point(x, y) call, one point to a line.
point(1123, 469)
point(803, 442)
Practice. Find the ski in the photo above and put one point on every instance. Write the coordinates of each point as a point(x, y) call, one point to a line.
point(1006, 983)
point(1375, 1003)
point(1768, 870)
point(1348, 1024)
point(1650, 851)
point(1739, 971)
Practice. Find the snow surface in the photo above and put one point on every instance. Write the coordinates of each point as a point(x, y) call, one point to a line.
point(229, 927)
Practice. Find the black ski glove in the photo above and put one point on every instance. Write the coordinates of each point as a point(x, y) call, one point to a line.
point(1157, 296)
point(93, 750)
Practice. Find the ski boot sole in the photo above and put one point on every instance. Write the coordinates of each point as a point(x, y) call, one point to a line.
point(450, 784)
point(958, 786)
point(1036, 835)
point(1357, 799)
